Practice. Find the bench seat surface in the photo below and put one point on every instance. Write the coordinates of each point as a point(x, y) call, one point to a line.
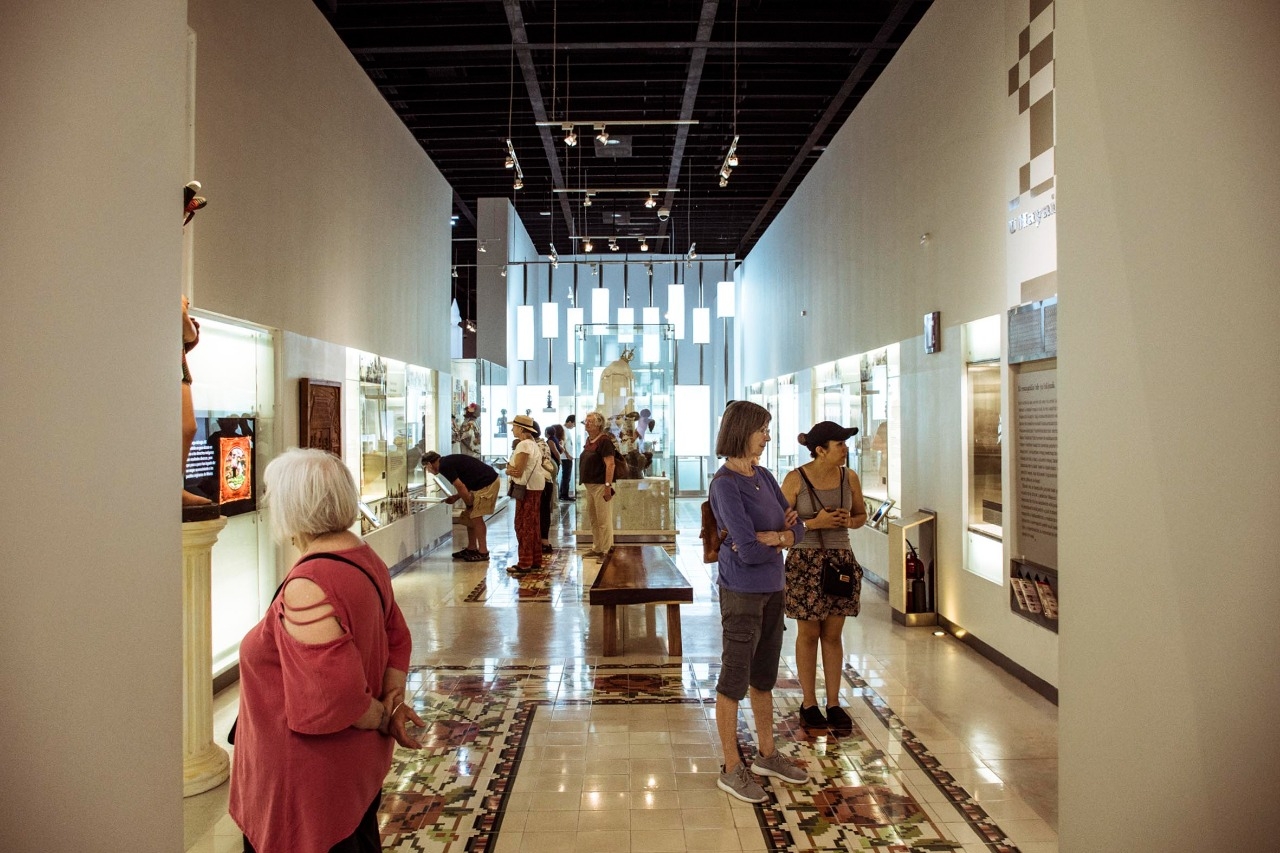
point(639, 574)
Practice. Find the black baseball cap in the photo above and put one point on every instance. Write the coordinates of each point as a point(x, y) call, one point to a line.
point(823, 431)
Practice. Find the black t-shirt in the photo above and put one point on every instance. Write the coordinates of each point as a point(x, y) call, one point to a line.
point(591, 463)
point(473, 473)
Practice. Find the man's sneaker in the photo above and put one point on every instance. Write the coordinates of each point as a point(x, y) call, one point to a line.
point(812, 717)
point(463, 554)
point(739, 784)
point(779, 766)
point(838, 720)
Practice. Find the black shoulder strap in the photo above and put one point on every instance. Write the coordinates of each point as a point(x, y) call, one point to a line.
point(818, 506)
point(326, 555)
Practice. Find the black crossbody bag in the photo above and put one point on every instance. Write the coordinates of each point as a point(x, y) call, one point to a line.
point(231, 735)
point(841, 574)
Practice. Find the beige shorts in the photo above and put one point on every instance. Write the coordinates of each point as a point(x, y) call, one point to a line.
point(483, 502)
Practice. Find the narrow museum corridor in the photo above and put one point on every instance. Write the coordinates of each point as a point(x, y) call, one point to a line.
point(536, 742)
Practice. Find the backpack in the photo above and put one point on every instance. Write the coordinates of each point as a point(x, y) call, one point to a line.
point(712, 535)
point(550, 465)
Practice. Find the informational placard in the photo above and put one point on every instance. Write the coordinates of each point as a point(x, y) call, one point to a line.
point(1035, 403)
point(1033, 331)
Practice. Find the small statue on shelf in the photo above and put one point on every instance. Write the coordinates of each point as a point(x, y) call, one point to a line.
point(502, 425)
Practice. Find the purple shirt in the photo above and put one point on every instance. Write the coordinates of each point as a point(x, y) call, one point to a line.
point(745, 506)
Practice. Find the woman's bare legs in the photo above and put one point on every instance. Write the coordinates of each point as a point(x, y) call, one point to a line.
point(832, 658)
point(807, 633)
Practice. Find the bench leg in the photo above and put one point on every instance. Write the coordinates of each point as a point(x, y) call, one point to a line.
point(674, 648)
point(610, 630)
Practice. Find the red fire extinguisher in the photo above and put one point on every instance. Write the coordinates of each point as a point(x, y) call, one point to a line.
point(915, 565)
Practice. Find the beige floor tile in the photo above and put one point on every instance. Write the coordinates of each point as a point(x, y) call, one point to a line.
point(658, 841)
point(509, 842)
point(713, 818)
point(556, 801)
point(652, 782)
point(612, 782)
point(711, 839)
point(655, 800)
point(604, 819)
point(614, 841)
point(545, 821)
point(651, 819)
point(548, 842)
point(604, 800)
point(751, 838)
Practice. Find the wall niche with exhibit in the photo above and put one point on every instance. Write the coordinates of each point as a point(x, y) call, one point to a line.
point(396, 415)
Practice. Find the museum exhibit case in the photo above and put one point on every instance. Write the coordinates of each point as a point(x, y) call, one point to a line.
point(630, 382)
point(395, 415)
point(781, 396)
point(233, 392)
point(484, 383)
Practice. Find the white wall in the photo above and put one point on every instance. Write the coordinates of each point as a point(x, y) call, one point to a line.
point(1168, 259)
point(91, 163)
point(325, 216)
point(925, 152)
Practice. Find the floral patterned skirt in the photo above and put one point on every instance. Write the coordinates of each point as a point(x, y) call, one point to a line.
point(805, 598)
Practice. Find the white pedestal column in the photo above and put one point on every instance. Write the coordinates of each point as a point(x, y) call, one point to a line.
point(205, 765)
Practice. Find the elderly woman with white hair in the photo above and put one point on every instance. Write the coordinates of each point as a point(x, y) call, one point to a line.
point(322, 676)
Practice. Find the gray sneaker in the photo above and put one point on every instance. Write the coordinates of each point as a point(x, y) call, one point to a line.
point(740, 784)
point(781, 767)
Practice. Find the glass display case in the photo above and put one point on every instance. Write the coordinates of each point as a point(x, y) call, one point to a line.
point(632, 385)
point(880, 425)
point(396, 420)
point(484, 383)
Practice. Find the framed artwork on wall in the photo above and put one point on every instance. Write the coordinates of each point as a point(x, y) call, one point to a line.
point(320, 415)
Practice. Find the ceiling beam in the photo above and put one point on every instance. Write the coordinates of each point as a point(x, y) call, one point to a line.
point(855, 76)
point(520, 43)
point(693, 81)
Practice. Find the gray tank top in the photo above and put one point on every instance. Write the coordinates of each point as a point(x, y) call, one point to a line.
point(841, 496)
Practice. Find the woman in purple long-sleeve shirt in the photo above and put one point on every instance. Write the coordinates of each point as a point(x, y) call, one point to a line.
point(748, 504)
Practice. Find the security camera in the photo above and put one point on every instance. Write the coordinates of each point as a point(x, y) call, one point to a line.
point(664, 213)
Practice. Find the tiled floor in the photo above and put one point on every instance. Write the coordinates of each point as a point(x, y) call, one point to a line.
point(535, 742)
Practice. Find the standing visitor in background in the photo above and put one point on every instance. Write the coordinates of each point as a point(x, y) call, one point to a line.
point(596, 469)
point(569, 439)
point(525, 469)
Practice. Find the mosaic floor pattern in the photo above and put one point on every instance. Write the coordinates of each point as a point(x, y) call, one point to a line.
point(541, 586)
point(486, 725)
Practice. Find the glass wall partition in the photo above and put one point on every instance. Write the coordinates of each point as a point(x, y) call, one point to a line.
point(631, 383)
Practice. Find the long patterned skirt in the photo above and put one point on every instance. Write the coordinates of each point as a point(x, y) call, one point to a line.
point(527, 530)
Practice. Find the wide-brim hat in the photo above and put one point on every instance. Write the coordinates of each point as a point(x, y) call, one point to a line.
point(526, 422)
point(824, 431)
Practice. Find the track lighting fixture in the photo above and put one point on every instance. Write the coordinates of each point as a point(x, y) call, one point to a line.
point(553, 256)
point(730, 160)
point(513, 162)
point(503, 272)
point(692, 254)
point(651, 202)
point(455, 271)
point(603, 136)
point(510, 162)
point(586, 200)
point(644, 245)
point(481, 247)
point(519, 183)
point(588, 246)
point(613, 245)
point(570, 138)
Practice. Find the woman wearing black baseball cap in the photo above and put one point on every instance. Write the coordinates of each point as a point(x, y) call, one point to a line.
point(828, 497)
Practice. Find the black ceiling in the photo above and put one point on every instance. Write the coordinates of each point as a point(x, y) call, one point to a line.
point(464, 75)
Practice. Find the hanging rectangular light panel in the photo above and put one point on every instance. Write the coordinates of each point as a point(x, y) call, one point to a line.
point(651, 316)
point(725, 306)
point(599, 306)
point(702, 325)
point(573, 319)
point(626, 325)
point(675, 308)
point(550, 320)
point(524, 332)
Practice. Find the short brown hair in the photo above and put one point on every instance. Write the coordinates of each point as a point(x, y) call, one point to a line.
point(740, 421)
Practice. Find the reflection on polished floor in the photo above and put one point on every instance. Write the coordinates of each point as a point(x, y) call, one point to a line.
point(536, 742)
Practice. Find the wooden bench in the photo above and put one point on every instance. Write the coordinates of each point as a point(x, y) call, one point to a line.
point(640, 574)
